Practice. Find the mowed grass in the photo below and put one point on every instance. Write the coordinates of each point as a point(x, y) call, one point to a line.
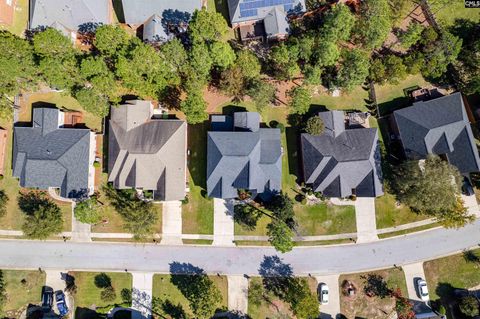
point(21, 294)
point(453, 10)
point(20, 19)
point(197, 214)
point(166, 291)
point(389, 215)
point(88, 294)
point(445, 274)
point(362, 306)
point(353, 100)
point(325, 219)
point(276, 308)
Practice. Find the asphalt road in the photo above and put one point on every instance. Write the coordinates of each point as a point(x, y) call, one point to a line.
point(235, 260)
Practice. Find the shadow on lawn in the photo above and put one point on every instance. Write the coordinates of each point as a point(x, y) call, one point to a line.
point(197, 160)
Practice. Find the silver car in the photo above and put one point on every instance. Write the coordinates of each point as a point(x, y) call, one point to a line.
point(323, 292)
point(422, 289)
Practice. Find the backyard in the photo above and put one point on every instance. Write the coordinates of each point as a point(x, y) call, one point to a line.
point(169, 299)
point(447, 12)
point(362, 306)
point(274, 307)
point(88, 293)
point(23, 287)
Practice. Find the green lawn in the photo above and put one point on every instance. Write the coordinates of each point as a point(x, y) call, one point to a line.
point(275, 308)
point(20, 18)
point(362, 306)
point(354, 100)
point(455, 9)
point(445, 274)
point(88, 294)
point(389, 215)
point(323, 219)
point(167, 292)
point(197, 214)
point(20, 294)
point(391, 97)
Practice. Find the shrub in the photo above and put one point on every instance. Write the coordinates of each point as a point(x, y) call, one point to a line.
point(96, 164)
point(102, 280)
point(126, 295)
point(314, 126)
point(108, 294)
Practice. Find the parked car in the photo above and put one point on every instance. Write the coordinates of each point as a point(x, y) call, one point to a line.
point(47, 298)
point(61, 304)
point(467, 188)
point(323, 294)
point(422, 289)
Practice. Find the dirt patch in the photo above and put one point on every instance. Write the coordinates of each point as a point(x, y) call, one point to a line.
point(214, 98)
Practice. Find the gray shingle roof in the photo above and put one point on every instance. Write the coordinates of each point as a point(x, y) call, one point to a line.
point(340, 159)
point(273, 12)
point(70, 14)
point(244, 159)
point(157, 14)
point(147, 153)
point(48, 156)
point(439, 126)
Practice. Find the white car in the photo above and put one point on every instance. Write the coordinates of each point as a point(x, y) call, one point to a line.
point(323, 294)
point(422, 289)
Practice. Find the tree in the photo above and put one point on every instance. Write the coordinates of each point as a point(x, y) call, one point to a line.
point(313, 74)
point(111, 40)
point(314, 125)
point(17, 69)
point(412, 35)
point(280, 236)
point(389, 69)
point(138, 216)
point(43, 217)
point(233, 82)
point(201, 62)
point(300, 100)
point(52, 44)
point(194, 107)
point(3, 203)
point(262, 93)
point(102, 280)
point(255, 293)
point(374, 23)
point(469, 306)
point(207, 26)
point(303, 302)
point(399, 9)
point(246, 215)
point(281, 207)
point(303, 45)
point(126, 295)
point(375, 286)
point(108, 294)
point(353, 69)
point(87, 211)
point(440, 54)
point(3, 292)
point(327, 52)
point(175, 55)
point(337, 24)
point(249, 64)
point(222, 55)
point(284, 62)
point(432, 187)
point(93, 102)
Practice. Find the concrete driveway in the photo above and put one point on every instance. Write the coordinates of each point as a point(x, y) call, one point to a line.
point(142, 284)
point(55, 279)
point(172, 223)
point(366, 222)
point(223, 225)
point(238, 294)
point(332, 309)
point(412, 273)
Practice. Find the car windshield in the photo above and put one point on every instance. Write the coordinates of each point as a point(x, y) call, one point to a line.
point(424, 290)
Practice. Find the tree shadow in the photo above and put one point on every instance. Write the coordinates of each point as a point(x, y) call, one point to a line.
point(197, 158)
point(86, 313)
point(102, 280)
point(387, 108)
point(30, 202)
point(276, 275)
point(230, 109)
point(174, 311)
point(293, 151)
point(118, 8)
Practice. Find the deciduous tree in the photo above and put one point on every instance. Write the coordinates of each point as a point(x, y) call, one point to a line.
point(43, 217)
point(353, 69)
point(88, 211)
point(194, 107)
point(412, 35)
point(207, 26)
point(374, 23)
point(280, 236)
point(3, 203)
point(111, 41)
point(314, 125)
point(222, 55)
point(262, 93)
point(300, 100)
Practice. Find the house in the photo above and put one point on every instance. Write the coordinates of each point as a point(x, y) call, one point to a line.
point(161, 19)
point(440, 126)
point(342, 161)
point(259, 19)
point(241, 155)
point(49, 155)
point(7, 10)
point(147, 153)
point(70, 16)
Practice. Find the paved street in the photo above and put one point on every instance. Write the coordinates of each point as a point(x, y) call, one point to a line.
point(331, 310)
point(237, 260)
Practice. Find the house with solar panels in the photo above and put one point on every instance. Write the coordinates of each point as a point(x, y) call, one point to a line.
point(263, 19)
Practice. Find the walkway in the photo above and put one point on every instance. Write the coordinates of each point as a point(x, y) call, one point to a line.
point(142, 284)
point(321, 260)
point(172, 223)
point(366, 220)
point(332, 309)
point(80, 232)
point(238, 294)
point(223, 225)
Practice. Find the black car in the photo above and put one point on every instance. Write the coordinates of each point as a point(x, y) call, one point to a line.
point(47, 298)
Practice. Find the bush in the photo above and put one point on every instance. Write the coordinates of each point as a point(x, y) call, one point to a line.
point(126, 295)
point(469, 306)
point(108, 294)
point(102, 280)
point(96, 164)
point(314, 125)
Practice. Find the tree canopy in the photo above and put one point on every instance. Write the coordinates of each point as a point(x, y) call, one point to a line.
point(353, 70)
point(43, 217)
point(314, 125)
point(300, 100)
point(88, 211)
point(375, 23)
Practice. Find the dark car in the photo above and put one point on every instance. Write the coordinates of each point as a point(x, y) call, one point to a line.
point(61, 304)
point(47, 298)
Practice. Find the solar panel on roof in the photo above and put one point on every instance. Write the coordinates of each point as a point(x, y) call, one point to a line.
point(248, 13)
point(250, 4)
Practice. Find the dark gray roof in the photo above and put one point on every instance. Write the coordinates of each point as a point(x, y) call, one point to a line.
point(156, 15)
point(272, 12)
point(439, 126)
point(244, 159)
point(340, 159)
point(147, 153)
point(45, 155)
point(69, 14)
